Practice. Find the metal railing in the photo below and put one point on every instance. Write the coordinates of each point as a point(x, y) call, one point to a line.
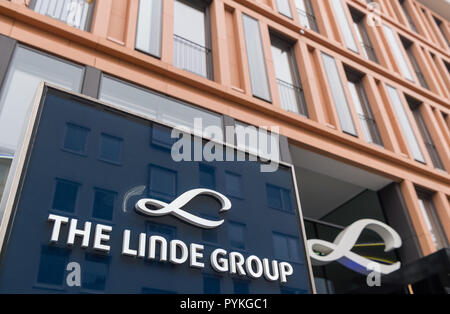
point(308, 20)
point(76, 13)
point(192, 57)
point(292, 98)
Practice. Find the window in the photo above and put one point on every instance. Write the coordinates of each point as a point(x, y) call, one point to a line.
point(256, 59)
point(65, 196)
point(441, 27)
point(408, 16)
point(26, 70)
point(398, 53)
point(241, 287)
point(405, 124)
point(211, 284)
point(149, 26)
point(163, 183)
point(236, 233)
point(5, 164)
point(110, 148)
point(233, 184)
point(408, 45)
point(284, 8)
point(289, 86)
point(95, 272)
point(52, 265)
point(279, 198)
point(76, 138)
point(192, 44)
point(363, 36)
point(286, 248)
point(429, 144)
point(207, 177)
point(156, 106)
point(103, 204)
point(344, 25)
point(76, 13)
point(359, 97)
point(306, 14)
point(337, 91)
point(431, 219)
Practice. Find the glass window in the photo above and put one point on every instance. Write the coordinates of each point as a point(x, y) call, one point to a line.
point(405, 124)
point(52, 265)
point(110, 148)
point(192, 50)
point(233, 184)
point(256, 59)
point(156, 106)
point(429, 143)
point(284, 8)
point(398, 53)
point(286, 248)
point(95, 272)
point(344, 24)
point(441, 26)
point(362, 106)
point(207, 177)
point(236, 232)
point(291, 93)
point(408, 45)
point(431, 219)
point(76, 138)
point(211, 284)
point(149, 26)
point(408, 16)
point(65, 196)
point(306, 14)
point(338, 94)
point(363, 36)
point(103, 204)
point(26, 70)
point(5, 164)
point(279, 198)
point(76, 13)
point(163, 182)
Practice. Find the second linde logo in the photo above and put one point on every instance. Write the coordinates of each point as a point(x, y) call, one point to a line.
point(175, 251)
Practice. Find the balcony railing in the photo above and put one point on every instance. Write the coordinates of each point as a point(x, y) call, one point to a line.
point(307, 20)
point(192, 57)
point(292, 98)
point(76, 13)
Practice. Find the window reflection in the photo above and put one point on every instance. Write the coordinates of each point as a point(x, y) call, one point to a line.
point(103, 204)
point(52, 265)
point(76, 138)
point(65, 195)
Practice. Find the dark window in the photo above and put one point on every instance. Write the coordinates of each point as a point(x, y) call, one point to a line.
point(366, 119)
point(110, 148)
point(286, 248)
point(163, 183)
point(429, 144)
point(65, 195)
point(207, 177)
point(209, 235)
point(431, 219)
point(233, 184)
point(289, 86)
point(95, 272)
point(363, 36)
point(441, 26)
point(76, 138)
point(236, 233)
point(211, 284)
point(279, 198)
point(192, 39)
point(161, 136)
point(52, 265)
point(408, 45)
point(103, 204)
point(408, 16)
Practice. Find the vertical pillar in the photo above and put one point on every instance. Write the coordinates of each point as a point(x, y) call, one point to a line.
point(91, 82)
point(7, 46)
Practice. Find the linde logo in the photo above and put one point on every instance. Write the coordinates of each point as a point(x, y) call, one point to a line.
point(174, 251)
point(340, 249)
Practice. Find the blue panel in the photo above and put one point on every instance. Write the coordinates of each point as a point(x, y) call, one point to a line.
point(83, 187)
point(110, 148)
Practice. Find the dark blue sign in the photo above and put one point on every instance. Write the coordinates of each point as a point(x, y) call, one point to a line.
point(75, 227)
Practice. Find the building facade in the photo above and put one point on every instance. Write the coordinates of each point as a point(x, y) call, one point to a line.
point(358, 89)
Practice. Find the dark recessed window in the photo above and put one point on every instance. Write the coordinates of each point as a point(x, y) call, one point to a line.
point(279, 198)
point(52, 265)
point(163, 183)
point(408, 16)
point(286, 248)
point(363, 36)
point(408, 45)
point(95, 272)
point(110, 148)
point(76, 138)
point(103, 204)
point(65, 196)
point(161, 136)
point(233, 184)
point(207, 177)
